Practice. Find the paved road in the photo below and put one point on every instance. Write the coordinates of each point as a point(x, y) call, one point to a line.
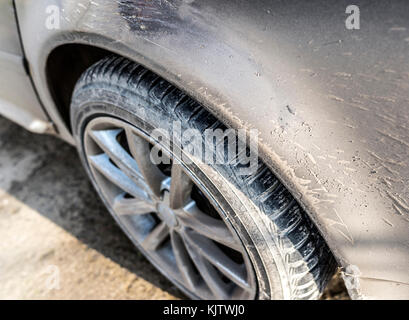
point(56, 239)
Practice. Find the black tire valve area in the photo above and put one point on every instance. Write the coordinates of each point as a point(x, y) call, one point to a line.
point(213, 232)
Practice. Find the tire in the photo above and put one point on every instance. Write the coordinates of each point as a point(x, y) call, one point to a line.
point(289, 258)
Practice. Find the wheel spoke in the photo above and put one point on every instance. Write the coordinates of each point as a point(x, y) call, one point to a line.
point(183, 261)
point(141, 153)
point(217, 286)
point(107, 141)
point(155, 238)
point(208, 249)
point(123, 206)
point(209, 227)
point(180, 187)
point(102, 164)
point(165, 185)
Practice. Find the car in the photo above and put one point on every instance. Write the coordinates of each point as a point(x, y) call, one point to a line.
point(248, 149)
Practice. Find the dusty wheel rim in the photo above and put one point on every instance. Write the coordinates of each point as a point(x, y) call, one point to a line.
point(166, 213)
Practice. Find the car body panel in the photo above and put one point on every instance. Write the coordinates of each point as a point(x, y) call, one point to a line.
point(330, 104)
point(18, 100)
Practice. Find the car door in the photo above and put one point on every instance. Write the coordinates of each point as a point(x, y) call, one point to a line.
point(18, 100)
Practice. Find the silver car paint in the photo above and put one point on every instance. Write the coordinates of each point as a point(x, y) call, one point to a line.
point(15, 85)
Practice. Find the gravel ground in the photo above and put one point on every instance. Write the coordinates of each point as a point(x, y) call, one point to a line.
point(56, 239)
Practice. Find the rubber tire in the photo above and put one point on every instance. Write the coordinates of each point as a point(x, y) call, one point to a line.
point(290, 258)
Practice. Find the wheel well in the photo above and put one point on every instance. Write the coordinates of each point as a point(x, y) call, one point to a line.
point(65, 64)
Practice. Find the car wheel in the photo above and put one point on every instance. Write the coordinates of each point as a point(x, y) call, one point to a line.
point(213, 232)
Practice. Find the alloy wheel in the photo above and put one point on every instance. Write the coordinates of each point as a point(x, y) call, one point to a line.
point(167, 213)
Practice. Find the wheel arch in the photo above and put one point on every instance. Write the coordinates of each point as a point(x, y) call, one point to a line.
point(68, 62)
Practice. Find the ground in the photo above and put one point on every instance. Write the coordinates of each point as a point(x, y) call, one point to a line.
point(57, 241)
